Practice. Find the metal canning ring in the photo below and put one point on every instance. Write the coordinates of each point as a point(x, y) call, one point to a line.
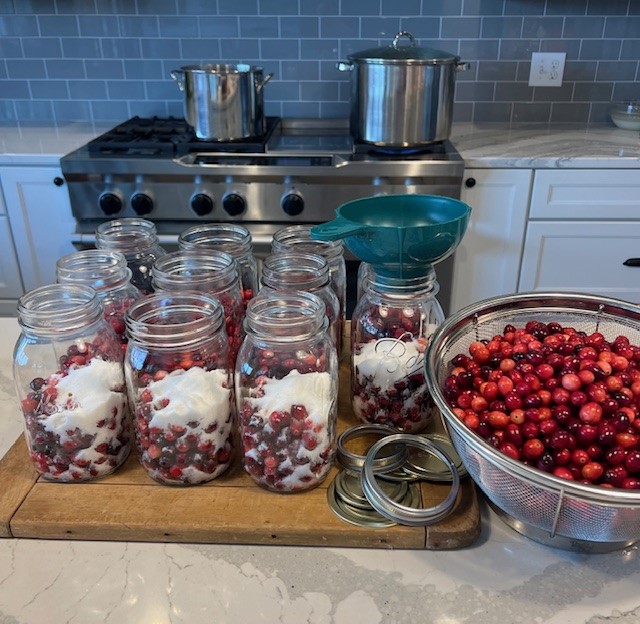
point(353, 461)
point(403, 514)
point(357, 517)
point(429, 467)
point(349, 489)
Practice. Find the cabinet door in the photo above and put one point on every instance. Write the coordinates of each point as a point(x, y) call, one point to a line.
point(10, 283)
point(487, 261)
point(582, 257)
point(40, 218)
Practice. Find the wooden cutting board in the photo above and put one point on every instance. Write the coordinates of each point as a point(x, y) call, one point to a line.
point(129, 506)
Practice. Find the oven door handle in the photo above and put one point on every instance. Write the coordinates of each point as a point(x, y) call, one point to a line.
point(84, 240)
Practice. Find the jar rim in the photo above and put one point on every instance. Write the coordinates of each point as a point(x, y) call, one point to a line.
point(298, 238)
point(231, 238)
point(128, 234)
point(195, 270)
point(169, 320)
point(285, 316)
point(58, 308)
point(295, 270)
point(99, 268)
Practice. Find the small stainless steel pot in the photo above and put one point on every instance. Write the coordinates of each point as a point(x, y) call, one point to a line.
point(223, 102)
point(402, 95)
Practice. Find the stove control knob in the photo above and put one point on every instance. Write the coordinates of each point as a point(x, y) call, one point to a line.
point(201, 204)
point(141, 203)
point(110, 203)
point(292, 204)
point(234, 204)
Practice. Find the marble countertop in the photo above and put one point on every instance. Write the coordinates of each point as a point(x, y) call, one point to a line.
point(503, 579)
point(481, 145)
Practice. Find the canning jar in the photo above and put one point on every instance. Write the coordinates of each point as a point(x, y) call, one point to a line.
point(298, 238)
point(286, 388)
point(137, 239)
point(108, 274)
point(211, 272)
point(231, 238)
point(291, 271)
point(390, 329)
point(70, 381)
point(180, 387)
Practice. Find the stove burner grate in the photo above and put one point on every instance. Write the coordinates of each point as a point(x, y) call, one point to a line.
point(169, 136)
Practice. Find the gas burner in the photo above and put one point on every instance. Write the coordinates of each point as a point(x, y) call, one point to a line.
point(169, 136)
point(381, 152)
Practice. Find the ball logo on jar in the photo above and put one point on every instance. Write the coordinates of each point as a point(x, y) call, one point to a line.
point(395, 357)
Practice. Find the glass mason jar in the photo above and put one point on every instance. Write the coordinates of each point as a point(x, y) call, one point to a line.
point(390, 328)
point(232, 239)
point(211, 272)
point(180, 387)
point(291, 271)
point(286, 386)
point(137, 239)
point(298, 238)
point(70, 382)
point(108, 274)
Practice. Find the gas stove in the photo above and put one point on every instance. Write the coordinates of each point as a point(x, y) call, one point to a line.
point(298, 172)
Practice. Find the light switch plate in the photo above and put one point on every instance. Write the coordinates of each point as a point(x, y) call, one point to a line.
point(547, 69)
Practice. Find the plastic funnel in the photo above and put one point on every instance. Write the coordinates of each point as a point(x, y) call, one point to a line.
point(400, 235)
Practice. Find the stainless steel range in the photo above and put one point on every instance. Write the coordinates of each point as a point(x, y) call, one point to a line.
point(298, 172)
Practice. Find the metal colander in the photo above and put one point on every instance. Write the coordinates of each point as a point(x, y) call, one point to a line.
point(551, 510)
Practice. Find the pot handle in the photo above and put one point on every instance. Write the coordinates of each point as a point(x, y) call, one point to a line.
point(408, 35)
point(462, 66)
point(344, 66)
point(336, 229)
point(178, 76)
point(260, 86)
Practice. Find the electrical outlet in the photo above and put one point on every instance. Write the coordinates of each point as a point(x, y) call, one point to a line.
point(547, 69)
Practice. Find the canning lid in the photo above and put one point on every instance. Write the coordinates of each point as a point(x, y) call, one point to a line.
point(397, 53)
point(403, 514)
point(429, 467)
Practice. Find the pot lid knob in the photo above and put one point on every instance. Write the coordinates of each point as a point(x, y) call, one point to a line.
point(408, 35)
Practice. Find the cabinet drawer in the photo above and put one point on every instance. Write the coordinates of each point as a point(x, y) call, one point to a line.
point(583, 257)
point(586, 194)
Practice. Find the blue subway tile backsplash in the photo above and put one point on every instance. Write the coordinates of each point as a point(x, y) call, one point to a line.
point(107, 60)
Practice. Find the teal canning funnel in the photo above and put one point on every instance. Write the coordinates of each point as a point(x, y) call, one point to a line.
point(400, 235)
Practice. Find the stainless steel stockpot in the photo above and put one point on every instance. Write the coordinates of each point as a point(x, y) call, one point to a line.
point(402, 95)
point(223, 102)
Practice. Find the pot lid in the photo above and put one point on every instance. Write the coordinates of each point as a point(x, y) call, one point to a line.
point(403, 53)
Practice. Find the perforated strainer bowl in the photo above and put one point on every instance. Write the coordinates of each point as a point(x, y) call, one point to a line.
point(554, 511)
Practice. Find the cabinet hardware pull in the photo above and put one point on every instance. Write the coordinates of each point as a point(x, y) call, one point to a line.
point(58, 181)
point(470, 182)
point(632, 262)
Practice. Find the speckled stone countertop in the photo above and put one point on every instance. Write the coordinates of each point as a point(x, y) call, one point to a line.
point(503, 579)
point(531, 146)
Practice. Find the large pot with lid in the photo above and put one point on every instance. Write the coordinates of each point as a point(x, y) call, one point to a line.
point(223, 102)
point(402, 94)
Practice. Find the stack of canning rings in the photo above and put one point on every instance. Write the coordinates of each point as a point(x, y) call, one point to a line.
point(380, 489)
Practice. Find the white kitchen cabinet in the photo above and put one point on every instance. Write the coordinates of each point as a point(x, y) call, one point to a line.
point(40, 218)
point(487, 261)
point(583, 225)
point(10, 281)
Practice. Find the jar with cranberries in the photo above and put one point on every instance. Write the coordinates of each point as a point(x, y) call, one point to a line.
point(211, 272)
point(291, 271)
point(180, 386)
point(231, 238)
point(286, 386)
point(390, 329)
point(70, 382)
point(108, 274)
point(297, 238)
point(137, 240)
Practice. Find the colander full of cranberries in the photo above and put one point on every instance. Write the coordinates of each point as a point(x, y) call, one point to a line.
point(540, 393)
